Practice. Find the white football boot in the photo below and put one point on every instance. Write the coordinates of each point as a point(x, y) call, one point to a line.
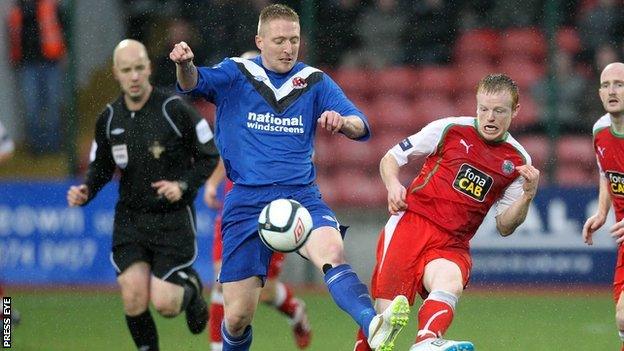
point(442, 345)
point(385, 326)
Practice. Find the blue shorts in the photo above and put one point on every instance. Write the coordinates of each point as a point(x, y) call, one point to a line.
point(244, 254)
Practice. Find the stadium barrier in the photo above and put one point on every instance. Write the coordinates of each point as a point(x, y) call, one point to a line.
point(42, 241)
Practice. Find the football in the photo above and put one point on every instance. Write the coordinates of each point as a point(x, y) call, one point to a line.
point(284, 225)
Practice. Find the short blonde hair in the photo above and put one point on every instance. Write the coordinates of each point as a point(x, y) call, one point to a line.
point(494, 83)
point(276, 11)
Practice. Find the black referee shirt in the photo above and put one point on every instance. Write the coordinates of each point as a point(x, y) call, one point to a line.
point(165, 140)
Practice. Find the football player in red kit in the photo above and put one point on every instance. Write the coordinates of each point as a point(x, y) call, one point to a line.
point(274, 293)
point(609, 147)
point(470, 165)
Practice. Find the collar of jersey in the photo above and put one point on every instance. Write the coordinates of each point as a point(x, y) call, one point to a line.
point(286, 88)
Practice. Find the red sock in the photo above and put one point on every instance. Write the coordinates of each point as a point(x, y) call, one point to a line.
point(285, 300)
point(214, 323)
point(361, 343)
point(434, 318)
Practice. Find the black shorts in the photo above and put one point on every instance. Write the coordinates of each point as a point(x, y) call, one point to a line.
point(166, 241)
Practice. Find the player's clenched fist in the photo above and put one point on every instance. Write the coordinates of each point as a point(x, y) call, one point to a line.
point(77, 195)
point(331, 120)
point(181, 53)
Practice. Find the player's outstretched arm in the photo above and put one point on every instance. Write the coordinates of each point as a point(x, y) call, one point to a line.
point(389, 170)
point(351, 126)
point(593, 223)
point(516, 213)
point(186, 72)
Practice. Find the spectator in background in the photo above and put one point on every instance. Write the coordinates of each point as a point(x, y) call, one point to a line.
point(338, 16)
point(6, 151)
point(429, 37)
point(570, 88)
point(226, 27)
point(37, 50)
point(600, 25)
point(178, 29)
point(515, 13)
point(380, 29)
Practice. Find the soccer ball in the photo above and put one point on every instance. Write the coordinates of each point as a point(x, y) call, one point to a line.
point(284, 225)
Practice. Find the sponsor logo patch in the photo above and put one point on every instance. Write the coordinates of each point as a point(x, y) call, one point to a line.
point(616, 182)
point(405, 144)
point(472, 182)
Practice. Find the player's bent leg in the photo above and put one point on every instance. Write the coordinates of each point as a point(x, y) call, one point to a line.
point(325, 249)
point(443, 279)
point(193, 303)
point(179, 291)
point(437, 344)
point(134, 283)
point(166, 297)
point(281, 297)
point(240, 300)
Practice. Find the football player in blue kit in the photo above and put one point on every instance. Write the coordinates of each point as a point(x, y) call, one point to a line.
point(268, 109)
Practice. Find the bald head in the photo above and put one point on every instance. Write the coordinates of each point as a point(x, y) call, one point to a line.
point(615, 68)
point(129, 48)
point(132, 69)
point(612, 89)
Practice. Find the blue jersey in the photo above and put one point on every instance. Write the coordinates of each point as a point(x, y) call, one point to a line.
point(266, 121)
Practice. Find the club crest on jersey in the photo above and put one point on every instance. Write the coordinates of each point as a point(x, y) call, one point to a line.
point(299, 83)
point(507, 167)
point(616, 182)
point(472, 182)
point(156, 149)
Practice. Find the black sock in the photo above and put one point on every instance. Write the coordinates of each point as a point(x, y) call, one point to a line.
point(143, 331)
point(189, 293)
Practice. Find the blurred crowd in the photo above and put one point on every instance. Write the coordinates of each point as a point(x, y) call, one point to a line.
point(438, 47)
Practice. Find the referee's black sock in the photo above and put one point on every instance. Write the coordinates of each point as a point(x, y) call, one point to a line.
point(189, 293)
point(143, 331)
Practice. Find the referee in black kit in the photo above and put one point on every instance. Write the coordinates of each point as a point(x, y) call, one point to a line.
point(165, 151)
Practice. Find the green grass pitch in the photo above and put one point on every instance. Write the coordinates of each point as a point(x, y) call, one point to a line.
point(512, 321)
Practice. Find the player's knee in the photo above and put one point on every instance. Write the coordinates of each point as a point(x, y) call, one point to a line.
point(135, 301)
point(236, 323)
point(333, 253)
point(166, 306)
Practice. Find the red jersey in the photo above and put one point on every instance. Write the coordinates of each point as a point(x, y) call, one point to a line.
point(609, 148)
point(463, 175)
